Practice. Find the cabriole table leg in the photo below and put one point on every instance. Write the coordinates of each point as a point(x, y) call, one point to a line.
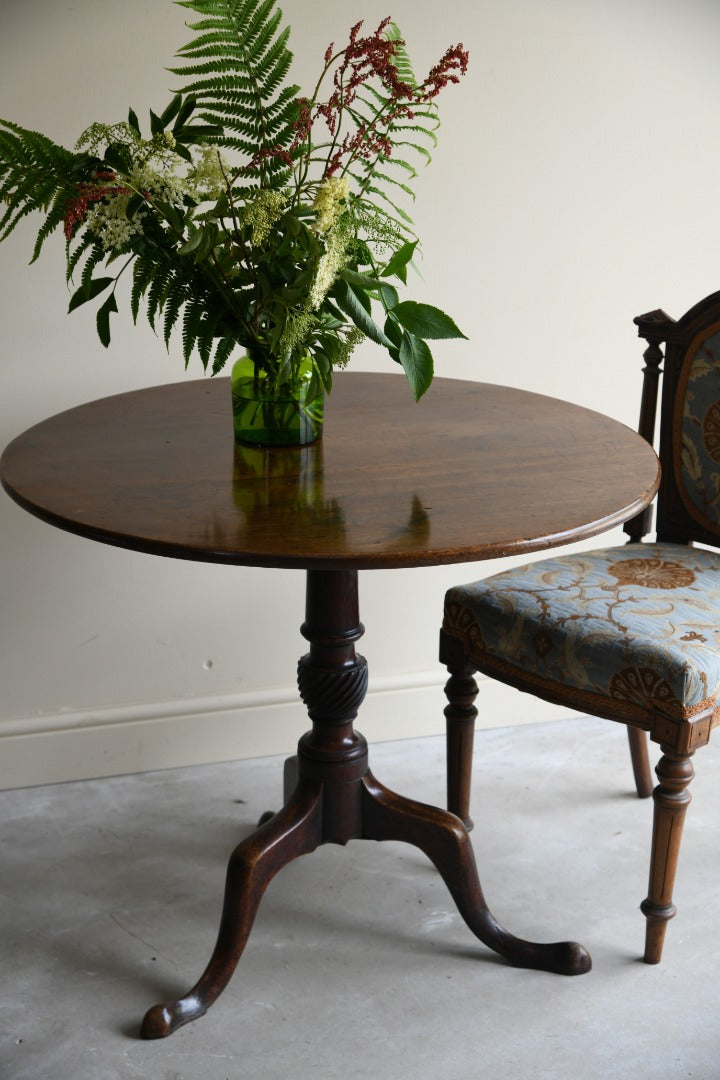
point(294, 831)
point(445, 841)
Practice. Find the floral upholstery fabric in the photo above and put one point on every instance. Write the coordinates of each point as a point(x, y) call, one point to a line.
point(639, 624)
point(699, 461)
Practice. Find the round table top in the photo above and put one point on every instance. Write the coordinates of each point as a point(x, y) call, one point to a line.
point(472, 471)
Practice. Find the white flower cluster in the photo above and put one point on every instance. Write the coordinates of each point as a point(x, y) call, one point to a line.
point(297, 327)
point(161, 182)
point(108, 220)
point(352, 338)
point(262, 212)
point(328, 205)
point(328, 202)
point(330, 264)
point(208, 179)
point(156, 175)
point(98, 136)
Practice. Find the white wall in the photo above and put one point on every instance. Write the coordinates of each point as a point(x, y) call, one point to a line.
point(574, 187)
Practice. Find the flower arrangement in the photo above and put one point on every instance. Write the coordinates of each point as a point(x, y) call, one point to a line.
point(249, 214)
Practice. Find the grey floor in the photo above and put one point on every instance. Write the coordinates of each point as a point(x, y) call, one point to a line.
point(358, 966)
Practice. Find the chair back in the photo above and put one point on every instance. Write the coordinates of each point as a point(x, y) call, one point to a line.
point(688, 502)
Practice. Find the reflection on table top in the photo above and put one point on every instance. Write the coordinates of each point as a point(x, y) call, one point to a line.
point(472, 471)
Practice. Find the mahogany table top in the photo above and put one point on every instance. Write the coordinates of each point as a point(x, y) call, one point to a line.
point(473, 471)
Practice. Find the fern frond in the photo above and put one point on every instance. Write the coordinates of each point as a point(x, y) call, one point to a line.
point(160, 286)
point(373, 110)
point(96, 255)
point(73, 257)
point(394, 210)
point(35, 174)
point(375, 104)
point(236, 64)
point(205, 338)
point(223, 350)
point(400, 163)
point(421, 150)
point(143, 273)
point(177, 296)
point(192, 328)
point(378, 175)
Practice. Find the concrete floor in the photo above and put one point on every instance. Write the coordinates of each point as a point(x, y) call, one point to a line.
point(358, 966)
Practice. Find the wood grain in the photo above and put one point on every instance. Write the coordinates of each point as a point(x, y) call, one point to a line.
point(474, 471)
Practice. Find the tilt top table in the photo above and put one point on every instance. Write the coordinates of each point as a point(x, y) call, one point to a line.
point(474, 471)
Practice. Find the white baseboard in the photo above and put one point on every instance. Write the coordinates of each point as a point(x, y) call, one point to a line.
point(76, 745)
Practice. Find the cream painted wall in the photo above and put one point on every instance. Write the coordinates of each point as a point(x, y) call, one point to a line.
point(575, 186)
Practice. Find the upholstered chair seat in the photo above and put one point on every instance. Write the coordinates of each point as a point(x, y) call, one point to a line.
point(639, 624)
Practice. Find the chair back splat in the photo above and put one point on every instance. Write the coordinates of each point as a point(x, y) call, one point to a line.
point(630, 633)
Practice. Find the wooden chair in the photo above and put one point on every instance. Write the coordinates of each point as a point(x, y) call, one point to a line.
point(630, 633)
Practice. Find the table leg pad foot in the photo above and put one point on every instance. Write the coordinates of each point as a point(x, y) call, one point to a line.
point(161, 1020)
point(445, 841)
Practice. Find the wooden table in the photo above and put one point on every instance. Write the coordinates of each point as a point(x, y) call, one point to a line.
point(473, 472)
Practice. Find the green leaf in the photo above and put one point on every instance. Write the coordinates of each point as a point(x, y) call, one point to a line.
point(389, 296)
point(425, 321)
point(351, 303)
point(196, 133)
point(186, 110)
point(324, 369)
point(209, 238)
point(395, 333)
point(192, 243)
point(363, 280)
point(397, 267)
point(133, 121)
point(171, 111)
point(89, 292)
point(117, 157)
point(103, 319)
point(417, 362)
point(182, 152)
point(170, 213)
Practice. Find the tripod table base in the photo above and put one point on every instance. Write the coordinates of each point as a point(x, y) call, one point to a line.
point(336, 799)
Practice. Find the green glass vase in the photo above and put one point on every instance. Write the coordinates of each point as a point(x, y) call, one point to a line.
point(265, 414)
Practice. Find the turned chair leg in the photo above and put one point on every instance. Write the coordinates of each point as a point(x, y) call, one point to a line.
point(640, 762)
point(461, 691)
point(671, 798)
